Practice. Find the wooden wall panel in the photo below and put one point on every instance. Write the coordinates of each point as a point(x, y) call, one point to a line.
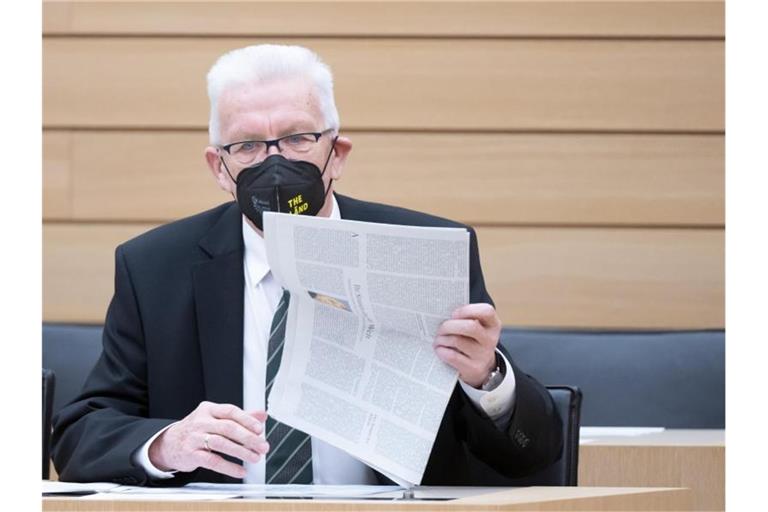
point(78, 269)
point(585, 138)
point(606, 278)
point(390, 18)
point(57, 175)
point(134, 176)
point(451, 84)
point(561, 179)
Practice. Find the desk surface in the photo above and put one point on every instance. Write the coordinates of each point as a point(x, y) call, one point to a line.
point(502, 499)
point(671, 437)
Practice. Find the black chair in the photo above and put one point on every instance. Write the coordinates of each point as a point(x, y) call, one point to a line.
point(71, 352)
point(49, 388)
point(564, 471)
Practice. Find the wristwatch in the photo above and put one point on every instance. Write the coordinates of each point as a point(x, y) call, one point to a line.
point(496, 376)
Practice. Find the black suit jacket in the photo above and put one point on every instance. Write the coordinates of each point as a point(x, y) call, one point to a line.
point(173, 337)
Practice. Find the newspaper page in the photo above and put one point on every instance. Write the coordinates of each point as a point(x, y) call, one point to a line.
point(358, 369)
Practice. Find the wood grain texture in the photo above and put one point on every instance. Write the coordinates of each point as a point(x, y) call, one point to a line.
point(57, 175)
point(78, 269)
point(136, 177)
point(565, 179)
point(475, 178)
point(582, 498)
point(391, 18)
point(583, 278)
point(571, 126)
point(606, 278)
point(686, 463)
point(414, 84)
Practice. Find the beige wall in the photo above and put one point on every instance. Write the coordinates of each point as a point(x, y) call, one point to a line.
point(584, 140)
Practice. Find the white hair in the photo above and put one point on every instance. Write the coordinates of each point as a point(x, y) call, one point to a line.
point(265, 63)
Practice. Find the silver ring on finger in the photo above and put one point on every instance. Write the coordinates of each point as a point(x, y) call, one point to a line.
point(205, 442)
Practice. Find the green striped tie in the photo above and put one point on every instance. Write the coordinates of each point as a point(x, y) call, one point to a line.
point(289, 460)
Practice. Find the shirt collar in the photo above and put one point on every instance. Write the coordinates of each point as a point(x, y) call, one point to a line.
point(256, 264)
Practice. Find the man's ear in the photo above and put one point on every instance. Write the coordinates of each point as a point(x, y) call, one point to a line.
point(341, 150)
point(216, 166)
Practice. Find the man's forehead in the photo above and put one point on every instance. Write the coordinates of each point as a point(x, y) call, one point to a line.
point(281, 102)
point(295, 94)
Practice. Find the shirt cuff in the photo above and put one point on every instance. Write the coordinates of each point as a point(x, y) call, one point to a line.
point(498, 403)
point(141, 458)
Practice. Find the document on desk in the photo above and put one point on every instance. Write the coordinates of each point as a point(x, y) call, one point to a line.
point(53, 487)
point(358, 369)
point(292, 490)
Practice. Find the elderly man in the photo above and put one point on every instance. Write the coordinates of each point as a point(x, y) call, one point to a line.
point(178, 394)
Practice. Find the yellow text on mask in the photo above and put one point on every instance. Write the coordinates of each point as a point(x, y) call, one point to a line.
point(297, 205)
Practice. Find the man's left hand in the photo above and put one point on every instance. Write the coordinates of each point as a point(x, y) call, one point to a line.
point(467, 342)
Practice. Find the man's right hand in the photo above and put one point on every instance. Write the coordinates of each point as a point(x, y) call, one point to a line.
point(194, 441)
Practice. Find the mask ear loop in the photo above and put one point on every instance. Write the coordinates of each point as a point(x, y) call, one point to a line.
point(227, 168)
point(333, 147)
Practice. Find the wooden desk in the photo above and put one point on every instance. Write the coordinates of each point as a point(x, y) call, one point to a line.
point(674, 458)
point(524, 498)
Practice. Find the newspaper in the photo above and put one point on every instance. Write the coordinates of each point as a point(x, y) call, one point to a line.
point(358, 369)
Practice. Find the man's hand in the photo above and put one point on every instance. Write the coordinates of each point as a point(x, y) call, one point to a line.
point(467, 342)
point(224, 428)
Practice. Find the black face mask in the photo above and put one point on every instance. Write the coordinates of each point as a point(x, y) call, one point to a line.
point(280, 185)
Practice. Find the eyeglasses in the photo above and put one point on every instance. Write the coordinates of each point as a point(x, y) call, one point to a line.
point(297, 144)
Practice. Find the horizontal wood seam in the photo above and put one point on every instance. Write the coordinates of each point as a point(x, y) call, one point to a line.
point(384, 37)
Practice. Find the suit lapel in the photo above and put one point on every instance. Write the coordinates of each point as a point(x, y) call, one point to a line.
point(354, 209)
point(347, 209)
point(218, 291)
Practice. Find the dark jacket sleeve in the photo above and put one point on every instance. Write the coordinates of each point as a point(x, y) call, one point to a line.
point(95, 435)
point(533, 439)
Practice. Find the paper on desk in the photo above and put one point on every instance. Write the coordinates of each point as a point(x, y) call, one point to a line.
point(618, 431)
point(358, 369)
point(210, 491)
point(287, 491)
point(136, 489)
point(165, 495)
point(56, 487)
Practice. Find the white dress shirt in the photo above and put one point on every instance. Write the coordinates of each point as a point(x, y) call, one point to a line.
point(329, 464)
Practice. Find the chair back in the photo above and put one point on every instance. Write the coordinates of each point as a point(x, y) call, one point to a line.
point(631, 379)
point(49, 387)
point(564, 471)
point(70, 351)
